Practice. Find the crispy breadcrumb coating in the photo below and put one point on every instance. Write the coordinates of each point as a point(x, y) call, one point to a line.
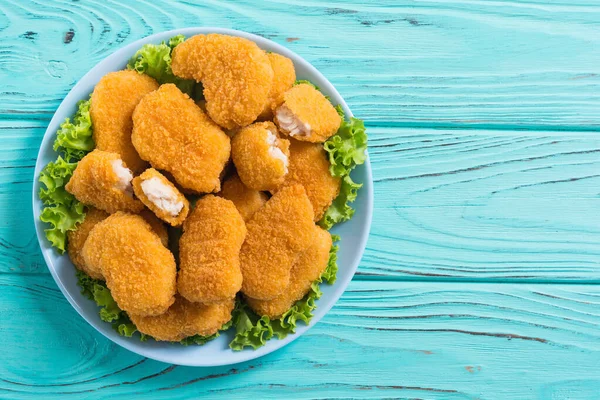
point(185, 319)
point(236, 75)
point(260, 156)
point(157, 226)
point(308, 268)
point(140, 272)
point(277, 233)
point(209, 251)
point(247, 201)
point(173, 133)
point(113, 101)
point(309, 167)
point(284, 76)
point(102, 180)
point(76, 240)
point(305, 114)
point(161, 197)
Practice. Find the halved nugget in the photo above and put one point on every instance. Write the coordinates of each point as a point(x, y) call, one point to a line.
point(161, 196)
point(103, 180)
point(77, 238)
point(308, 268)
point(209, 251)
point(284, 76)
point(140, 272)
point(235, 73)
point(246, 200)
point(185, 319)
point(277, 233)
point(309, 167)
point(260, 156)
point(113, 101)
point(305, 114)
point(173, 134)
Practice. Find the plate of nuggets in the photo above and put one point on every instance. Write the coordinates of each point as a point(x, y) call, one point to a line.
point(203, 196)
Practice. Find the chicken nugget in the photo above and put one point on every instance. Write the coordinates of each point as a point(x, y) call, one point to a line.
point(305, 114)
point(103, 180)
point(309, 167)
point(77, 238)
point(209, 264)
point(308, 268)
point(235, 73)
point(247, 201)
point(171, 132)
point(260, 156)
point(140, 272)
point(157, 226)
point(161, 196)
point(113, 101)
point(185, 319)
point(284, 76)
point(277, 234)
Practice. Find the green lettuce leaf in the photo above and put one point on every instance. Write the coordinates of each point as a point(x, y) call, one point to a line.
point(54, 177)
point(74, 139)
point(198, 339)
point(346, 149)
point(62, 218)
point(340, 210)
point(154, 60)
point(304, 81)
point(254, 331)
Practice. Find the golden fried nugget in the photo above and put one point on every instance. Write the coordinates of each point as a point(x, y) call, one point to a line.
point(161, 196)
point(236, 75)
point(284, 76)
point(113, 101)
point(209, 264)
point(247, 201)
point(76, 240)
point(140, 272)
point(277, 234)
point(157, 226)
point(305, 114)
point(260, 156)
point(171, 132)
point(308, 268)
point(103, 180)
point(185, 319)
point(309, 167)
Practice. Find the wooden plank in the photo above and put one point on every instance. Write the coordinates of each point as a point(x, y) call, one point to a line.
point(501, 64)
point(382, 340)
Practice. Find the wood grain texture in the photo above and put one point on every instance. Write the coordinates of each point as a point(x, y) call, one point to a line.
point(382, 340)
point(501, 64)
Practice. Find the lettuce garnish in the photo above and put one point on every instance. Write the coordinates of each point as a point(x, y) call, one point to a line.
point(62, 211)
point(254, 331)
point(154, 60)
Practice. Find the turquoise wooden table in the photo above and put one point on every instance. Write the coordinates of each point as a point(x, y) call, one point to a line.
point(480, 280)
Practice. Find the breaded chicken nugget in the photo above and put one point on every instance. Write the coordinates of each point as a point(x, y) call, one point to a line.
point(161, 196)
point(171, 132)
point(157, 226)
point(260, 156)
point(140, 272)
point(284, 76)
point(309, 167)
point(305, 114)
point(308, 268)
point(102, 180)
point(236, 75)
point(277, 234)
point(209, 264)
point(185, 319)
point(247, 201)
point(76, 240)
point(113, 101)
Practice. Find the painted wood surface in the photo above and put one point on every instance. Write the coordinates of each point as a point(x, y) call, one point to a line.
point(480, 276)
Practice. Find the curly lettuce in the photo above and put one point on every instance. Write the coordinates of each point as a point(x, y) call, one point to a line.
point(254, 331)
point(340, 210)
point(155, 60)
point(62, 211)
point(346, 149)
